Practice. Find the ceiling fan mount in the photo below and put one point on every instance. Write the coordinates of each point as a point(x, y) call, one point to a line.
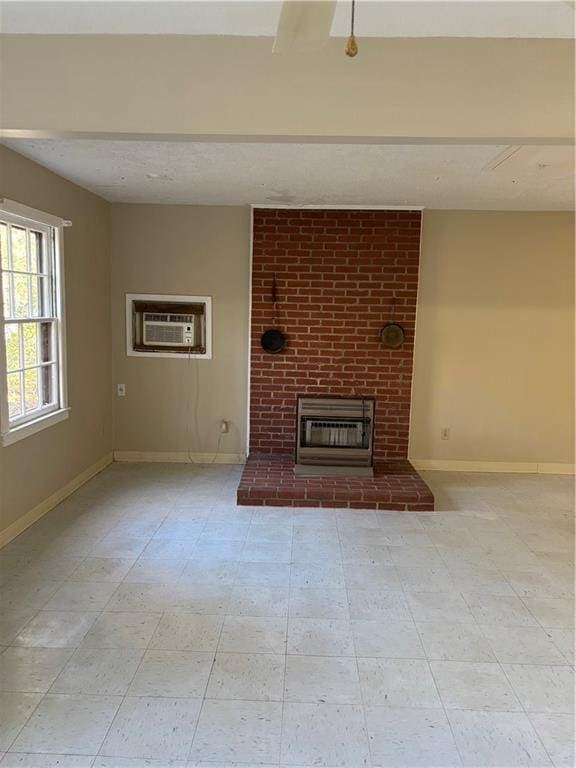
point(305, 25)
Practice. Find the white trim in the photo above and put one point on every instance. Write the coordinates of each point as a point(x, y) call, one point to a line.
point(415, 333)
point(60, 298)
point(291, 138)
point(250, 269)
point(556, 468)
point(180, 457)
point(4, 410)
point(22, 211)
point(533, 467)
point(32, 427)
point(185, 354)
point(29, 518)
point(313, 207)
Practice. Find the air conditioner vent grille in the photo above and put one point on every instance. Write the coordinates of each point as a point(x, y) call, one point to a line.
point(167, 318)
point(163, 334)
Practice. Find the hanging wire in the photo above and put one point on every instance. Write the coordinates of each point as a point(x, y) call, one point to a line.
point(351, 45)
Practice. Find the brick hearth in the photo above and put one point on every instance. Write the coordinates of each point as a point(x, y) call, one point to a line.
point(269, 480)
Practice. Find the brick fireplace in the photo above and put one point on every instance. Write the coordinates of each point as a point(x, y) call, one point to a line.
point(340, 276)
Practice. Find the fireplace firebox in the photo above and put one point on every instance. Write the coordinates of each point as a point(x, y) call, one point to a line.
point(334, 436)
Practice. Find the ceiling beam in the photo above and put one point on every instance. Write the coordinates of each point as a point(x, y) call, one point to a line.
point(449, 90)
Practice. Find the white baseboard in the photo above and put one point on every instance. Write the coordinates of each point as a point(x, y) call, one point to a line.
point(180, 457)
point(532, 467)
point(29, 518)
point(556, 468)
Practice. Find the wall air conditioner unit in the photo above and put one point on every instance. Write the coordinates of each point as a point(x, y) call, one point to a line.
point(168, 330)
point(161, 325)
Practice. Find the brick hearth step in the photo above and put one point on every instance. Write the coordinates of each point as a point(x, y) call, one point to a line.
point(269, 480)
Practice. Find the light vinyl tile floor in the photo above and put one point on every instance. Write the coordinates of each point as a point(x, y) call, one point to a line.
point(148, 621)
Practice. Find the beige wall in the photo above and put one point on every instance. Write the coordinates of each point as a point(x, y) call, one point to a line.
point(171, 404)
point(395, 87)
point(494, 348)
point(494, 358)
point(34, 468)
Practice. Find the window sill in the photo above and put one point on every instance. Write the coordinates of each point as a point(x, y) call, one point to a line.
point(19, 433)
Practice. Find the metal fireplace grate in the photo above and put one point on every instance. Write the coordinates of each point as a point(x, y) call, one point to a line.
point(334, 433)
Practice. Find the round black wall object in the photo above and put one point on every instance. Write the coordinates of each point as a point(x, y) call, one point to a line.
point(392, 335)
point(273, 341)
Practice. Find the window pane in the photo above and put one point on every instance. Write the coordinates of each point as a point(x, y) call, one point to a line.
point(4, 246)
point(30, 339)
point(35, 251)
point(31, 394)
point(40, 305)
point(19, 249)
point(34, 297)
point(44, 300)
point(21, 296)
point(12, 347)
point(46, 343)
point(48, 378)
point(14, 392)
point(6, 295)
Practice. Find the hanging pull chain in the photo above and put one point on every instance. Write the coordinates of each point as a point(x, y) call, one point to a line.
point(351, 45)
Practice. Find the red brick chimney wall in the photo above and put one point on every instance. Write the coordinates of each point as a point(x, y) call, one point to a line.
point(340, 276)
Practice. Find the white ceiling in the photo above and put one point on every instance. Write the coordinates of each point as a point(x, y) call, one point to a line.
point(374, 18)
point(207, 173)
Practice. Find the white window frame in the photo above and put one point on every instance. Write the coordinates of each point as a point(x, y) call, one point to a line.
point(53, 227)
point(206, 300)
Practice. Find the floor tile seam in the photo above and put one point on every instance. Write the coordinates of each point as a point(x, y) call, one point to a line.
point(367, 657)
point(363, 703)
point(22, 629)
point(79, 693)
point(411, 613)
point(469, 606)
point(536, 731)
point(547, 596)
point(536, 619)
point(280, 741)
point(485, 626)
point(50, 754)
point(122, 696)
point(143, 654)
point(188, 758)
point(112, 721)
point(82, 561)
point(40, 700)
point(524, 714)
point(356, 664)
point(511, 684)
point(444, 709)
point(203, 698)
point(411, 706)
point(59, 647)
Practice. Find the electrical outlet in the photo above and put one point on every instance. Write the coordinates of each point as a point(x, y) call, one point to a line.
point(445, 433)
point(121, 390)
point(223, 426)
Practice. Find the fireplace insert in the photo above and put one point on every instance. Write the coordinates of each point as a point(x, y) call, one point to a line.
point(334, 435)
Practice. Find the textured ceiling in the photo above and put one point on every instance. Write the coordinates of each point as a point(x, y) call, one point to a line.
point(404, 18)
point(466, 177)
